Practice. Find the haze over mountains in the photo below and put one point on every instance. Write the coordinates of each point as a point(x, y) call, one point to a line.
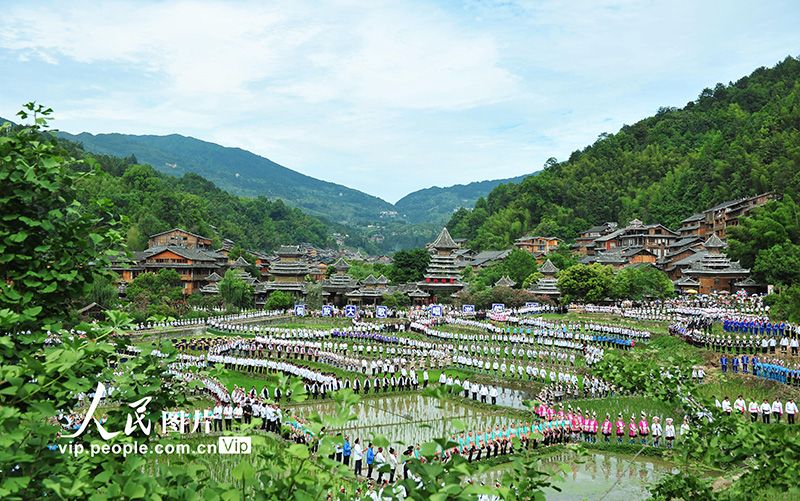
point(436, 203)
point(245, 173)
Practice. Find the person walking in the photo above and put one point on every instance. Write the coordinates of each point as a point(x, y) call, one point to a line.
point(380, 460)
point(392, 460)
point(358, 456)
point(766, 410)
point(346, 451)
point(791, 410)
point(669, 433)
point(370, 460)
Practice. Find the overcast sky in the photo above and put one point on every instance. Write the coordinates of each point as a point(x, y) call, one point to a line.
point(383, 97)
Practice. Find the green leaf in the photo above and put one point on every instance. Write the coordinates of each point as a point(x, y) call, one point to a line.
point(133, 489)
point(17, 237)
point(299, 451)
point(244, 470)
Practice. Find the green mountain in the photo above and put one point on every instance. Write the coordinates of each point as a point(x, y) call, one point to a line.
point(247, 174)
point(733, 141)
point(240, 172)
point(150, 202)
point(437, 205)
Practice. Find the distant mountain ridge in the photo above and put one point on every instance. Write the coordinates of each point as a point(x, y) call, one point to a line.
point(437, 204)
point(240, 172)
point(244, 173)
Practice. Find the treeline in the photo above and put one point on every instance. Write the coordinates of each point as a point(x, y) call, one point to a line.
point(768, 242)
point(733, 141)
point(152, 202)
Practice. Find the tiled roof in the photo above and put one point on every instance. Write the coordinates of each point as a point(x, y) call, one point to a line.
point(186, 252)
point(608, 257)
point(632, 251)
point(505, 281)
point(714, 242)
point(548, 268)
point(487, 256)
point(240, 262)
point(686, 281)
point(341, 265)
point(684, 241)
point(444, 241)
point(694, 217)
point(688, 260)
point(181, 230)
point(288, 250)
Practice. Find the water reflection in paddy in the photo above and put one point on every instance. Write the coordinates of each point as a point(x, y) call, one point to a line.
point(409, 419)
point(606, 476)
point(514, 398)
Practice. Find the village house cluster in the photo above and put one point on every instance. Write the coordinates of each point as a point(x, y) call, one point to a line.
point(693, 257)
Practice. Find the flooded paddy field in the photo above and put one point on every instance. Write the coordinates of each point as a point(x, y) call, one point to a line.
point(597, 475)
point(409, 419)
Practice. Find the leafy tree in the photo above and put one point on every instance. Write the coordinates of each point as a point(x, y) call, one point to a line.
point(512, 298)
point(779, 265)
point(41, 221)
point(396, 300)
point(235, 292)
point(481, 297)
point(361, 269)
point(768, 242)
point(562, 257)
point(207, 301)
point(151, 294)
point(409, 265)
point(279, 300)
point(468, 275)
point(531, 280)
point(162, 287)
point(314, 296)
point(238, 251)
point(518, 265)
point(103, 291)
point(641, 282)
point(583, 282)
point(52, 247)
point(135, 240)
point(776, 223)
point(786, 304)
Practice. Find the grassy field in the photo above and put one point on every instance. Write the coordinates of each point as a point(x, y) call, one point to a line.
point(671, 346)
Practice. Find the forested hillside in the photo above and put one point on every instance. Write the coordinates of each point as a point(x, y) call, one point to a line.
point(437, 204)
point(154, 202)
point(240, 172)
point(733, 141)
